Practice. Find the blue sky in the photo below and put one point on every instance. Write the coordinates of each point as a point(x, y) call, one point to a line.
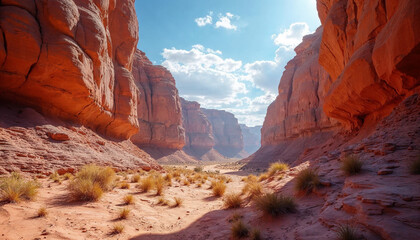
point(225, 54)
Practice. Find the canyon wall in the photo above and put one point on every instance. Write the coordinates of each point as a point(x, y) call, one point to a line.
point(158, 108)
point(252, 138)
point(72, 60)
point(226, 131)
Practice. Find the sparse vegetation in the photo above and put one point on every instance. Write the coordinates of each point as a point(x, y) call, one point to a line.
point(146, 184)
point(252, 189)
point(235, 217)
point(306, 180)
point(159, 184)
point(255, 234)
point(277, 167)
point(15, 188)
point(55, 177)
point(263, 177)
point(198, 169)
point(135, 178)
point(90, 182)
point(345, 232)
point(125, 185)
point(42, 212)
point(232, 200)
point(275, 205)
point(351, 165)
point(128, 199)
point(123, 214)
point(219, 189)
point(415, 166)
point(239, 230)
point(162, 201)
point(117, 228)
point(178, 202)
point(68, 176)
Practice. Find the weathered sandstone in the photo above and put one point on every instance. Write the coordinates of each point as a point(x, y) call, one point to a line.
point(159, 108)
point(252, 138)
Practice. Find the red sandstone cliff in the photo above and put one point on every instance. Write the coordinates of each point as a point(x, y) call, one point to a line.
point(159, 108)
point(226, 131)
point(72, 60)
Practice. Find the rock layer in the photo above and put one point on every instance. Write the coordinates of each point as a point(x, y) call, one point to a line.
point(72, 60)
point(371, 49)
point(252, 138)
point(159, 108)
point(226, 131)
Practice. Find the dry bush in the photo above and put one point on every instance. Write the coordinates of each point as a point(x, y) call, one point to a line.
point(235, 217)
point(159, 184)
point(219, 189)
point(186, 182)
point(162, 201)
point(128, 199)
point(117, 228)
point(42, 212)
point(255, 235)
point(345, 232)
point(135, 178)
point(277, 167)
point(306, 180)
point(68, 176)
point(232, 200)
point(263, 177)
point(351, 165)
point(146, 184)
point(239, 230)
point(123, 214)
point(125, 185)
point(90, 182)
point(252, 189)
point(15, 188)
point(198, 185)
point(178, 202)
point(168, 177)
point(198, 169)
point(275, 205)
point(55, 177)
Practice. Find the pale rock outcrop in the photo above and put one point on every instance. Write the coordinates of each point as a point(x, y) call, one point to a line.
point(252, 138)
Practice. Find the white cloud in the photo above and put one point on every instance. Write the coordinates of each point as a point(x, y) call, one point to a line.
point(225, 22)
point(203, 21)
point(292, 36)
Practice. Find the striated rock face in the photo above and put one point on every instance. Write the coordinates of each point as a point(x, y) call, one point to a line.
point(72, 60)
point(371, 49)
point(159, 108)
point(297, 110)
point(252, 138)
point(226, 131)
point(198, 130)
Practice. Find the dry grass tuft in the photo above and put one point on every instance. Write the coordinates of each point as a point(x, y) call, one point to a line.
point(351, 165)
point(128, 199)
point(146, 184)
point(277, 167)
point(91, 182)
point(252, 189)
point(135, 178)
point(15, 188)
point(198, 169)
point(178, 202)
point(42, 212)
point(125, 185)
point(307, 180)
point(123, 214)
point(255, 235)
point(263, 177)
point(117, 228)
point(68, 176)
point(275, 205)
point(162, 201)
point(159, 184)
point(345, 232)
point(219, 189)
point(239, 230)
point(55, 177)
point(232, 200)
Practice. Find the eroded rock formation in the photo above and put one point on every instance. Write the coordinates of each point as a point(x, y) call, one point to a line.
point(252, 138)
point(72, 60)
point(226, 131)
point(159, 108)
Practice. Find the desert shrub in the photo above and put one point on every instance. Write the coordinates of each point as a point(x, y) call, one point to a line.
point(162, 201)
point(159, 184)
point(235, 217)
point(239, 230)
point(135, 178)
point(55, 177)
point(125, 185)
point(275, 205)
point(42, 212)
point(345, 232)
point(185, 182)
point(168, 177)
point(178, 202)
point(117, 228)
point(255, 234)
point(15, 188)
point(199, 185)
point(232, 200)
point(123, 214)
point(219, 189)
point(277, 167)
point(306, 180)
point(128, 199)
point(91, 182)
point(146, 184)
point(415, 166)
point(68, 176)
point(263, 177)
point(252, 189)
point(198, 169)
point(351, 165)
